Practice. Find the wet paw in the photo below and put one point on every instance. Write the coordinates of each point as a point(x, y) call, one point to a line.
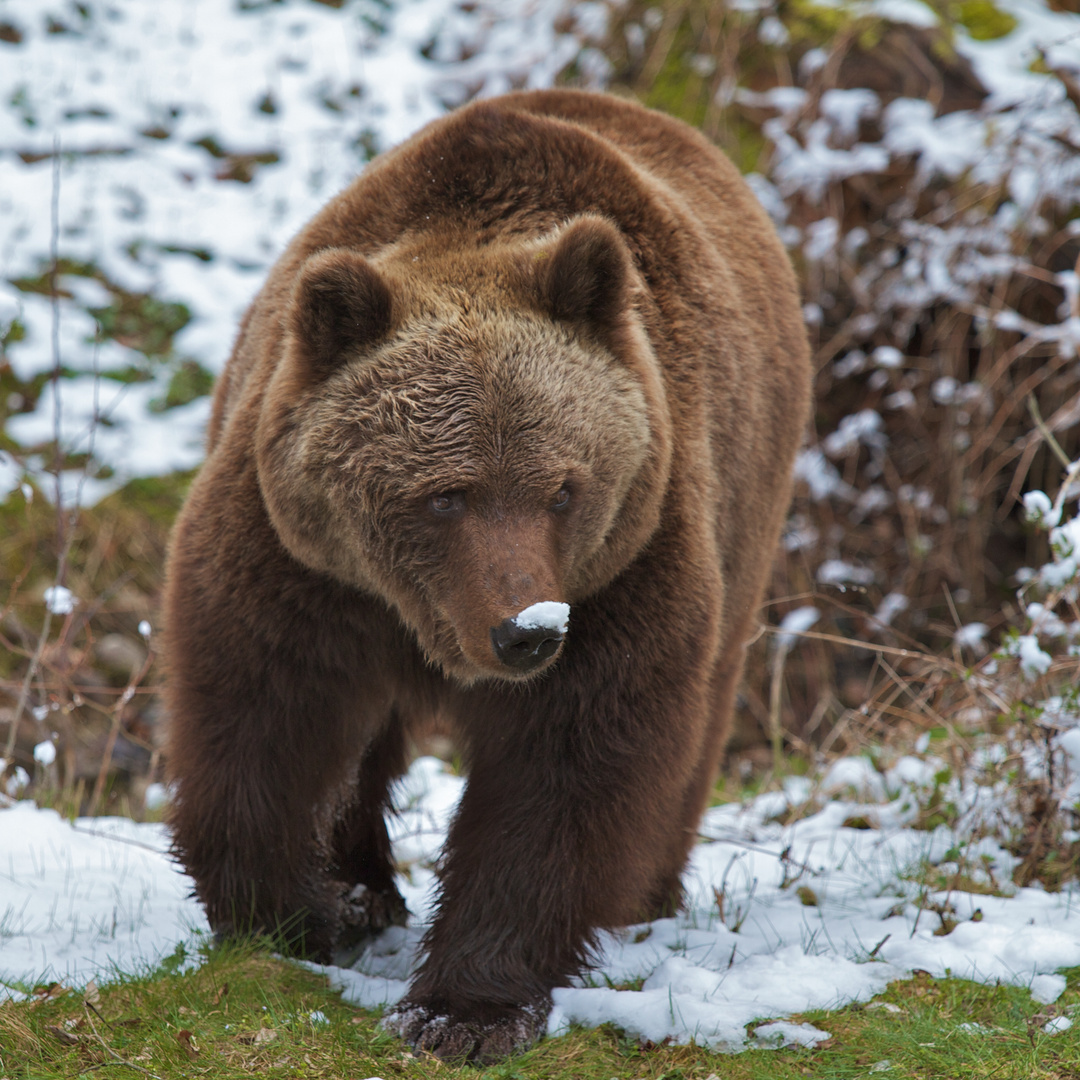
point(373, 911)
point(365, 913)
point(482, 1035)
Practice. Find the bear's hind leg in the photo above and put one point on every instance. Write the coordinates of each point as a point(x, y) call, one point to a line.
point(362, 858)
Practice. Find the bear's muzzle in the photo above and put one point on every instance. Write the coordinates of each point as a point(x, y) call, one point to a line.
point(526, 641)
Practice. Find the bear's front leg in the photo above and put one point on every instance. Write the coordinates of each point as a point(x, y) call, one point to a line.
point(260, 767)
point(566, 827)
point(271, 702)
point(251, 788)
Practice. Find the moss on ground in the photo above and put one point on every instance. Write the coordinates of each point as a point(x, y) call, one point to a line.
point(244, 1012)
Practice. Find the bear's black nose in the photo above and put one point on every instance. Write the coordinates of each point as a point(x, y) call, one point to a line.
point(524, 649)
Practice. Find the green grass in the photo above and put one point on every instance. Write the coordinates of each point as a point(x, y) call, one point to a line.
point(244, 1012)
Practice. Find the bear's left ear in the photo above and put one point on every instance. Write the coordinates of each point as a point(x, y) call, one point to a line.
point(586, 277)
point(340, 303)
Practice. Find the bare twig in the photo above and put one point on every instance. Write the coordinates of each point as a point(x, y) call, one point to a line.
point(66, 517)
point(1046, 433)
point(114, 731)
point(874, 951)
point(63, 535)
point(784, 856)
point(888, 650)
point(776, 730)
point(117, 1059)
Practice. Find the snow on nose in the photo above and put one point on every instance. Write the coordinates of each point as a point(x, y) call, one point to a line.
point(528, 640)
point(547, 615)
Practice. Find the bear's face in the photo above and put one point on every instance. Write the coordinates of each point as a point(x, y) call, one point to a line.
point(467, 452)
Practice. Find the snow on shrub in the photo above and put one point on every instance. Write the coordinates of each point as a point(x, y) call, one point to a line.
point(924, 177)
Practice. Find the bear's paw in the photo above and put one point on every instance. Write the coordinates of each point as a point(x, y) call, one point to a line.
point(372, 910)
point(482, 1037)
point(365, 913)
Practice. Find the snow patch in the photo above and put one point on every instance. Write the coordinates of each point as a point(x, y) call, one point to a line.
point(157, 795)
point(794, 623)
point(838, 572)
point(59, 600)
point(892, 605)
point(1039, 510)
point(1046, 989)
point(1033, 661)
point(85, 900)
point(45, 752)
point(784, 1033)
point(970, 635)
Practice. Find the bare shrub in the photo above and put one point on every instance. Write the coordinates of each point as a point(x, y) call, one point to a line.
point(931, 226)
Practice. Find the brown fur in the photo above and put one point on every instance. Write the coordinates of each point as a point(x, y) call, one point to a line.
point(549, 349)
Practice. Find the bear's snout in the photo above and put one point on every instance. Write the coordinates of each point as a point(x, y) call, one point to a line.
point(527, 640)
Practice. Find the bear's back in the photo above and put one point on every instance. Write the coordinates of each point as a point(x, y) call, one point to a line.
point(520, 166)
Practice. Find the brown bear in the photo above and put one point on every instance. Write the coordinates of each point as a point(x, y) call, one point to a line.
point(505, 437)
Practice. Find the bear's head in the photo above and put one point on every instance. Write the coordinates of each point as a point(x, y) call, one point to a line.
point(476, 433)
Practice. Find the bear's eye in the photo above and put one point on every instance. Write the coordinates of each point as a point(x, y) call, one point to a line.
point(447, 502)
point(562, 499)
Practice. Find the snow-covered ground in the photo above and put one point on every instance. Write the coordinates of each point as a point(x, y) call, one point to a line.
point(86, 899)
point(778, 920)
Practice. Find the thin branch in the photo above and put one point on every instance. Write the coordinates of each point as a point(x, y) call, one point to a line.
point(117, 1059)
point(65, 518)
point(64, 535)
point(1046, 433)
point(783, 856)
point(114, 731)
point(776, 727)
point(836, 639)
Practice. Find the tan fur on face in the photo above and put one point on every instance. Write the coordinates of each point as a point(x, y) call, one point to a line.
point(494, 401)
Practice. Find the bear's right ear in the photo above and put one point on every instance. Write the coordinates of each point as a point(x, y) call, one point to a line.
point(340, 303)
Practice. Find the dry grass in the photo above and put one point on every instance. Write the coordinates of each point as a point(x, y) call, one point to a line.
point(94, 684)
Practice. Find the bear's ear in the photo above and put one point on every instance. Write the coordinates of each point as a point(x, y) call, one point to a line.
point(586, 277)
point(340, 303)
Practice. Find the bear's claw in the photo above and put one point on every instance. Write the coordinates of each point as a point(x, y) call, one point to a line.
point(460, 1038)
